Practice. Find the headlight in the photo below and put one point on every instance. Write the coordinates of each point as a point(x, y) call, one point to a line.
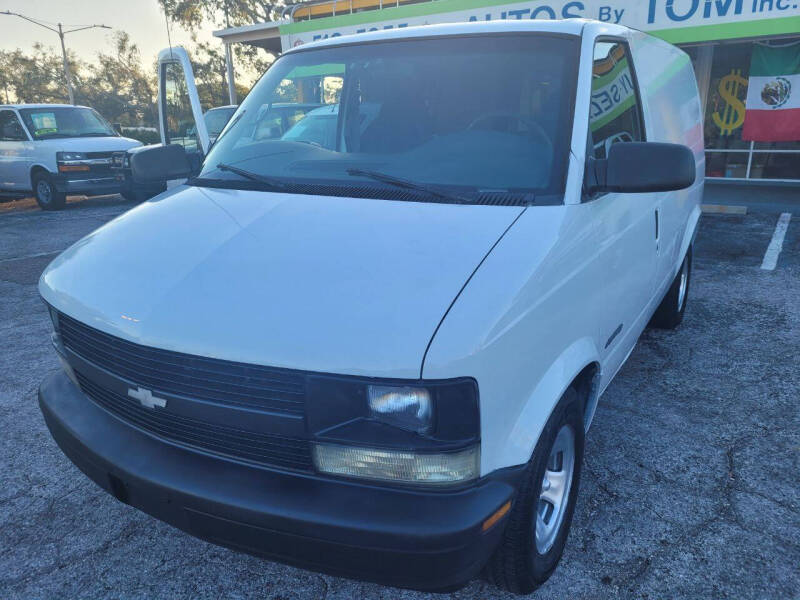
point(69, 156)
point(405, 431)
point(405, 407)
point(398, 465)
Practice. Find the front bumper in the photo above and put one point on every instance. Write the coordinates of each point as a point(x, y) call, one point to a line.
point(429, 540)
point(88, 185)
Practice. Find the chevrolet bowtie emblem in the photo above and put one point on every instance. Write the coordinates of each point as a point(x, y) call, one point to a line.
point(146, 398)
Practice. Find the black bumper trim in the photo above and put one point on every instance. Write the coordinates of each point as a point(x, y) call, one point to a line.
point(428, 540)
point(99, 185)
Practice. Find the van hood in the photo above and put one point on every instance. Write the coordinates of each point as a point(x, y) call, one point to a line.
point(91, 144)
point(325, 284)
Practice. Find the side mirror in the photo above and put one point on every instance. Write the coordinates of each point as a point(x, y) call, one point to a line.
point(118, 128)
point(157, 164)
point(633, 167)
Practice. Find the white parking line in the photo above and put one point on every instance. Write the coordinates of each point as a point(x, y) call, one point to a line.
point(37, 255)
point(776, 244)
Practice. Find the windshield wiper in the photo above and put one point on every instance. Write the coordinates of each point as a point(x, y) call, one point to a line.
point(252, 176)
point(409, 185)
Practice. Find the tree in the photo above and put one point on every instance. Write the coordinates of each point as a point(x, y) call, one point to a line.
point(115, 85)
point(38, 77)
point(211, 76)
point(192, 15)
point(118, 87)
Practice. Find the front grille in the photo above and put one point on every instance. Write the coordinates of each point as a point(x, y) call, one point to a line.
point(279, 451)
point(101, 170)
point(196, 377)
point(97, 171)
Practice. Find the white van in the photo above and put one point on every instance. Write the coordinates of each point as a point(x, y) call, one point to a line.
point(379, 359)
point(53, 150)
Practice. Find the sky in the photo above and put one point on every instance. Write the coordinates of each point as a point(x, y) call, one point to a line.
point(142, 19)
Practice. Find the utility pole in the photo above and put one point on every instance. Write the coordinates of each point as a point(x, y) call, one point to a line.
point(229, 63)
point(67, 74)
point(61, 33)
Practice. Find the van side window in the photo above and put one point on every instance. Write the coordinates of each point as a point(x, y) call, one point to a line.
point(10, 127)
point(614, 114)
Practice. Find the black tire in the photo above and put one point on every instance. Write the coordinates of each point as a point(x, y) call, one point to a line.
point(140, 194)
point(669, 313)
point(518, 565)
point(134, 195)
point(47, 196)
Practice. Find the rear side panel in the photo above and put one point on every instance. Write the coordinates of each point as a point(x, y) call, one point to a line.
point(672, 113)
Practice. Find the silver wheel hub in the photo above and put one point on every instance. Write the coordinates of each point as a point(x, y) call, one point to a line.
point(43, 191)
point(556, 485)
point(683, 283)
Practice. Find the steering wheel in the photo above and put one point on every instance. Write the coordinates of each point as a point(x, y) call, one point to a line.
point(492, 119)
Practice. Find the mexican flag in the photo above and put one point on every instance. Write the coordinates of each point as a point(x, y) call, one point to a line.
point(773, 95)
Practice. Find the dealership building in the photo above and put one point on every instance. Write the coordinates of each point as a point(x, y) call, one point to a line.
point(720, 36)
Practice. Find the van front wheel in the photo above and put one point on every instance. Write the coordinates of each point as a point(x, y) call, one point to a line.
point(47, 196)
point(540, 518)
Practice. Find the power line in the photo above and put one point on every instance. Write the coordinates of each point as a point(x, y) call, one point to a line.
point(59, 30)
point(55, 23)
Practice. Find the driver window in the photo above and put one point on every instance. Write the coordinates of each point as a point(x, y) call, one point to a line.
point(614, 114)
point(10, 127)
point(179, 126)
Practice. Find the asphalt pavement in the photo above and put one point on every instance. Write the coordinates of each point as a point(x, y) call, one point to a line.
point(691, 483)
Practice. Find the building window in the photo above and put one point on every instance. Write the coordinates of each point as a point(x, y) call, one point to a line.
point(727, 154)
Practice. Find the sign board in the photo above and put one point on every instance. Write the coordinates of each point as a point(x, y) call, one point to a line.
point(677, 21)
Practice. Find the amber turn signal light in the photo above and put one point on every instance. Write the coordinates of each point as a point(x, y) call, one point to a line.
point(498, 514)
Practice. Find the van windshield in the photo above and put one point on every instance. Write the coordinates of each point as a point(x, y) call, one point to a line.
point(216, 118)
point(65, 121)
point(467, 115)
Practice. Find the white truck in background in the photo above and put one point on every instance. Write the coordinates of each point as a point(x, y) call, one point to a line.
point(51, 150)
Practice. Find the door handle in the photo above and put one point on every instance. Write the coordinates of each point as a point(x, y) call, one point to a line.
point(657, 232)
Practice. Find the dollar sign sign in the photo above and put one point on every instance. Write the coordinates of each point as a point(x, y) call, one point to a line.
point(732, 115)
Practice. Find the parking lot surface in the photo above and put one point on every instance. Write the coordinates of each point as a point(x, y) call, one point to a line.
point(690, 489)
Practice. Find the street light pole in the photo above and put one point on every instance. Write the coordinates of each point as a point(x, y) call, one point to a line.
point(67, 75)
point(61, 33)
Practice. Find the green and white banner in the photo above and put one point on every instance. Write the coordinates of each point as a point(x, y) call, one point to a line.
point(612, 95)
point(677, 21)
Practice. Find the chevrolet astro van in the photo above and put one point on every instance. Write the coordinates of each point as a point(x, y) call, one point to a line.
point(377, 354)
point(52, 150)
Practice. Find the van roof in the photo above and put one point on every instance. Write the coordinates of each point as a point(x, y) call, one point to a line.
point(41, 106)
point(562, 26)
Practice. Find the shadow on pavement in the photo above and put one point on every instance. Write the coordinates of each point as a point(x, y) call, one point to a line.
point(73, 203)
